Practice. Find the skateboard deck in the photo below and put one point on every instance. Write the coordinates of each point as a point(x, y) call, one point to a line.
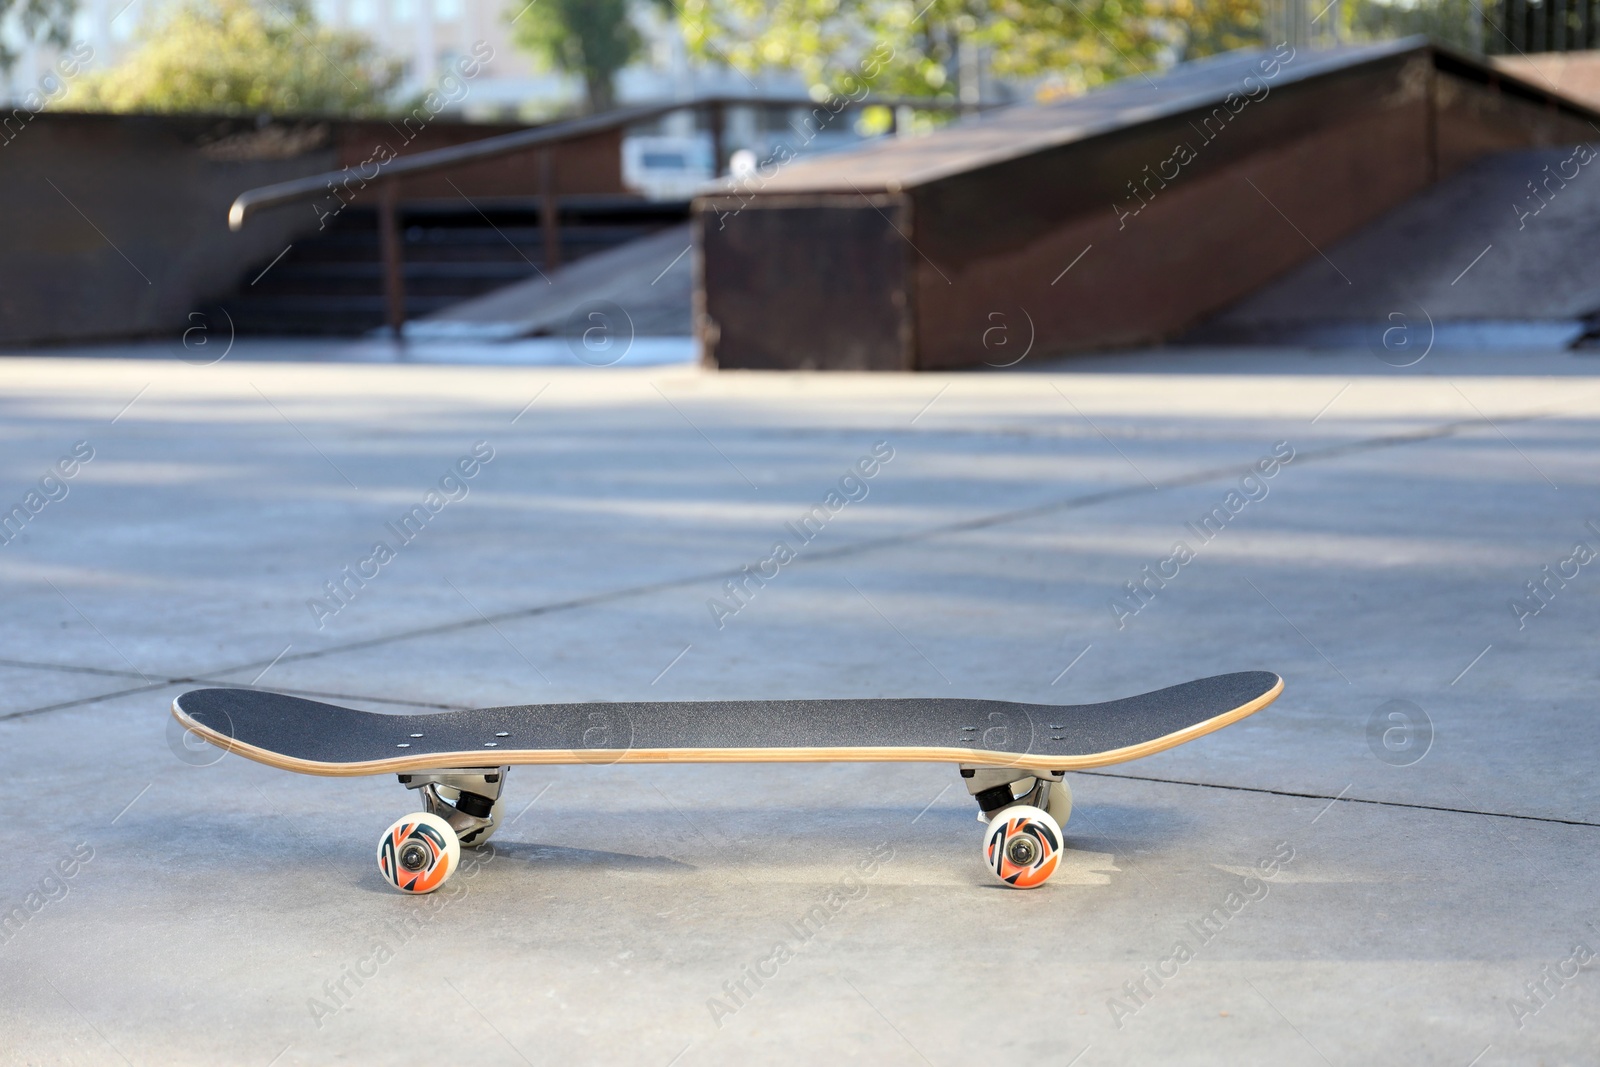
point(325, 739)
point(458, 760)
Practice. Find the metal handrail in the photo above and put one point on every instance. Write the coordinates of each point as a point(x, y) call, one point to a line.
point(268, 196)
point(296, 189)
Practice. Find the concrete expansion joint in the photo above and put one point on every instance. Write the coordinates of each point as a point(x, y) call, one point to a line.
point(1341, 798)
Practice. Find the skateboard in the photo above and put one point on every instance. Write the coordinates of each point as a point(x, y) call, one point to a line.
point(1013, 758)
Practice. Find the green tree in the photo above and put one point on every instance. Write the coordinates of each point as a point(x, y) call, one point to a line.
point(590, 38)
point(913, 47)
point(1463, 23)
point(239, 57)
point(1212, 26)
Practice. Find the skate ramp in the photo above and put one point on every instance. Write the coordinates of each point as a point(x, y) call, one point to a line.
point(1508, 240)
point(649, 280)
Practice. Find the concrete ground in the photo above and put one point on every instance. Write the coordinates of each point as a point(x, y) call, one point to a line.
point(1433, 861)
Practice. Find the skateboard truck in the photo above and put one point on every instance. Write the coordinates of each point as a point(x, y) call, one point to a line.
point(464, 798)
point(993, 788)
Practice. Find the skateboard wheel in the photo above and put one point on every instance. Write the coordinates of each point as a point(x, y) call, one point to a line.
point(1023, 846)
point(418, 853)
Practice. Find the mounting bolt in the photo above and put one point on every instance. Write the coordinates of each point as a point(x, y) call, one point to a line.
point(1022, 851)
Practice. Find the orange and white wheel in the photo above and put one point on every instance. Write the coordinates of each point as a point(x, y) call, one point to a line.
point(1022, 846)
point(418, 853)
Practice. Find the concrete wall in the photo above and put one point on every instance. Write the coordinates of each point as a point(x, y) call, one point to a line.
point(116, 225)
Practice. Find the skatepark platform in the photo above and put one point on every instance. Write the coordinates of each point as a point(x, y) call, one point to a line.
point(1423, 791)
point(1125, 216)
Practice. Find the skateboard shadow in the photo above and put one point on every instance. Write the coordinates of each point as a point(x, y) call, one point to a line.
point(545, 857)
point(563, 857)
point(1125, 825)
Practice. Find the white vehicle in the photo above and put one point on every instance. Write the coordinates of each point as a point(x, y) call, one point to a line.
point(667, 168)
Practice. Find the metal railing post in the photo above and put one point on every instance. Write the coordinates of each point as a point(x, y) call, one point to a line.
point(394, 280)
point(549, 216)
point(719, 159)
